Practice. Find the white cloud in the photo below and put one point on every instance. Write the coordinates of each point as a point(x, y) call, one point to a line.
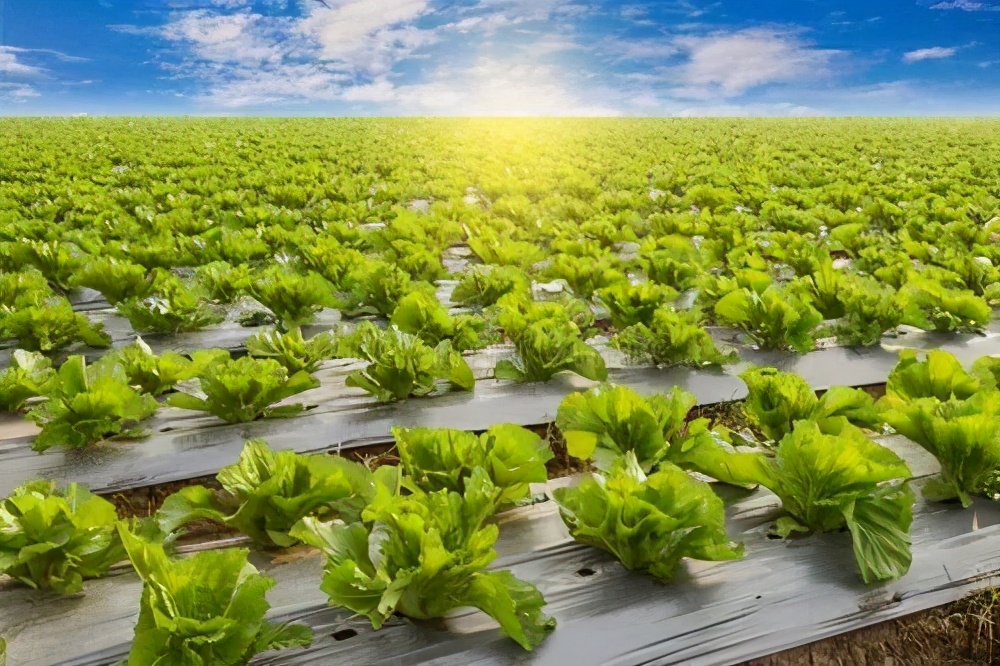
point(729, 64)
point(12, 66)
point(933, 53)
point(367, 36)
point(238, 37)
point(16, 93)
point(966, 6)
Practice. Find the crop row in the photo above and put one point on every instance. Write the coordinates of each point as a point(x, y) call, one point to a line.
point(417, 539)
point(700, 224)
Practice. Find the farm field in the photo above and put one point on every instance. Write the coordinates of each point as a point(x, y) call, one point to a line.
point(491, 390)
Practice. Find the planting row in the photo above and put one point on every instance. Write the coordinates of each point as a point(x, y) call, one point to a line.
point(417, 539)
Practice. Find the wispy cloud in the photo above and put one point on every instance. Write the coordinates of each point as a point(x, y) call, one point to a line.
point(727, 64)
point(933, 53)
point(966, 6)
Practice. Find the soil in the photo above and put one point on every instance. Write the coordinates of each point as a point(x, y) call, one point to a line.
point(964, 633)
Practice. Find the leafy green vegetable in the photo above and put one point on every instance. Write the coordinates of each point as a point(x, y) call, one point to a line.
point(85, 405)
point(773, 318)
point(648, 523)
point(53, 539)
point(672, 338)
point(870, 310)
point(172, 307)
point(117, 280)
point(444, 459)
point(292, 350)
point(549, 346)
point(204, 610)
point(964, 436)
point(401, 365)
point(422, 315)
point(828, 481)
point(158, 374)
point(424, 555)
point(27, 377)
point(934, 307)
point(609, 421)
point(244, 389)
point(585, 275)
point(631, 304)
point(267, 492)
point(485, 285)
point(50, 326)
point(224, 282)
point(939, 376)
point(293, 298)
point(776, 400)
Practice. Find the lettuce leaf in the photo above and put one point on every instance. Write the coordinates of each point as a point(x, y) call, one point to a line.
point(547, 347)
point(293, 351)
point(829, 481)
point(435, 459)
point(53, 539)
point(648, 523)
point(243, 390)
point(85, 405)
point(27, 377)
point(424, 555)
point(267, 492)
point(608, 421)
point(402, 365)
point(776, 400)
point(204, 610)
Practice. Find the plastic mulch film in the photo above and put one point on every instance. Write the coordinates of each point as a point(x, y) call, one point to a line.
point(782, 595)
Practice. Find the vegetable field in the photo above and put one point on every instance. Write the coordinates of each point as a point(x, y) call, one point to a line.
point(371, 391)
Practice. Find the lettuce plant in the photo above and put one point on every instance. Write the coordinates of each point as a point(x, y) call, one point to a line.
point(514, 312)
point(435, 459)
point(27, 377)
point(266, 492)
point(870, 311)
point(826, 482)
point(172, 307)
point(53, 539)
point(773, 318)
point(931, 306)
point(57, 261)
point(776, 400)
point(224, 282)
point(422, 315)
point(85, 405)
point(939, 375)
point(154, 374)
point(20, 290)
point(204, 610)
point(964, 436)
point(376, 287)
point(402, 365)
point(631, 304)
point(547, 347)
point(672, 260)
point(293, 298)
point(585, 275)
point(116, 279)
point(424, 555)
point(330, 258)
point(292, 350)
point(243, 390)
point(672, 337)
point(649, 523)
point(954, 415)
point(49, 326)
point(484, 285)
point(608, 421)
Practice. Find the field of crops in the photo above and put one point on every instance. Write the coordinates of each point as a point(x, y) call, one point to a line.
point(400, 369)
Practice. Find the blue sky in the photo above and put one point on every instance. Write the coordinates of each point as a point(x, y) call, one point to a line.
point(500, 57)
